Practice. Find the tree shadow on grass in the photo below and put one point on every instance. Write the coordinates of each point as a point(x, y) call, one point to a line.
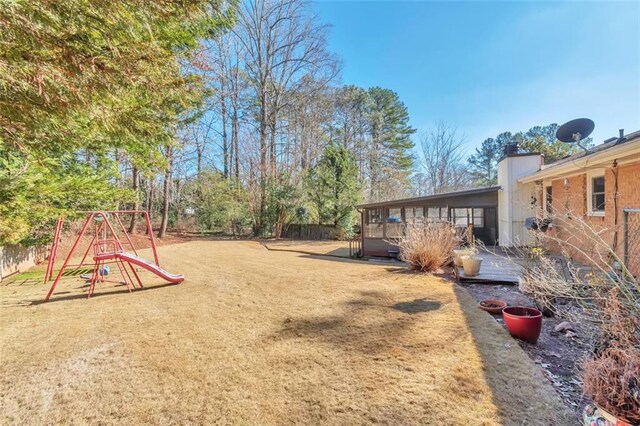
point(353, 328)
point(417, 306)
point(120, 289)
point(520, 391)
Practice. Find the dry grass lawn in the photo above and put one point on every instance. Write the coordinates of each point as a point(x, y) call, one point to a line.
point(264, 337)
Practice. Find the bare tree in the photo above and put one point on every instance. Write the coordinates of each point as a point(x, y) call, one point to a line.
point(441, 158)
point(282, 42)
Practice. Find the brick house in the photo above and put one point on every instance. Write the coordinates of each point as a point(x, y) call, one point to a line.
point(601, 187)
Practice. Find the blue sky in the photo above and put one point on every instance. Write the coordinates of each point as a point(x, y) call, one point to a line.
point(488, 67)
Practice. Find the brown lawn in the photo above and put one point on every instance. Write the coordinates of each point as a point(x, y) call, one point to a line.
point(264, 337)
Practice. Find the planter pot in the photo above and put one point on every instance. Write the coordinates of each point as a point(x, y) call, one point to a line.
point(457, 257)
point(493, 306)
point(523, 323)
point(471, 265)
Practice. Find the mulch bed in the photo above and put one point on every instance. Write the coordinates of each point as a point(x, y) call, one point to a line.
point(558, 353)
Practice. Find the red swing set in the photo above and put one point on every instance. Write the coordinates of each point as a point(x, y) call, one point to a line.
point(107, 249)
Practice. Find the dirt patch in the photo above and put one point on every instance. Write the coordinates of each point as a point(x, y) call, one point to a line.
point(264, 337)
point(559, 353)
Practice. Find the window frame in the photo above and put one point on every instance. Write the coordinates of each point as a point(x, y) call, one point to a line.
point(443, 214)
point(395, 224)
point(469, 215)
point(545, 198)
point(410, 216)
point(367, 222)
point(590, 178)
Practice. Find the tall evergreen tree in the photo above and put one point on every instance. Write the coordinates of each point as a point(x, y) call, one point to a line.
point(541, 139)
point(390, 150)
point(483, 164)
point(332, 185)
point(80, 80)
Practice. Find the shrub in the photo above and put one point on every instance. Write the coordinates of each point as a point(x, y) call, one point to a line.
point(610, 299)
point(612, 376)
point(613, 381)
point(428, 248)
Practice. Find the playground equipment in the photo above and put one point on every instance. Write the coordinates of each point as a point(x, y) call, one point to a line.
point(107, 249)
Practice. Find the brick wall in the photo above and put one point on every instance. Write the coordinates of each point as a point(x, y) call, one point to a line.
point(570, 205)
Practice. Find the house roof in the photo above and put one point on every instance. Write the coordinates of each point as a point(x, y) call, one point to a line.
point(614, 148)
point(416, 200)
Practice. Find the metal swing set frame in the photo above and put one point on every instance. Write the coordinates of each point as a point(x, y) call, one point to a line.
point(107, 249)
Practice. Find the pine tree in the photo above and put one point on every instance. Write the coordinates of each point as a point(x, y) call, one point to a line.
point(390, 149)
point(82, 80)
point(483, 164)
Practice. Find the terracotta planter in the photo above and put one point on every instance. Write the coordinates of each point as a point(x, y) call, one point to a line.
point(493, 306)
point(471, 265)
point(523, 323)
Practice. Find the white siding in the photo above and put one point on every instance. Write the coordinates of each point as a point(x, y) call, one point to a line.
point(515, 199)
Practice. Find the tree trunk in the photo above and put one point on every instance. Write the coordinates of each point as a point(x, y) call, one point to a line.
point(118, 177)
point(136, 203)
point(166, 186)
point(235, 142)
point(272, 148)
point(263, 164)
point(165, 202)
point(225, 142)
point(199, 152)
point(150, 195)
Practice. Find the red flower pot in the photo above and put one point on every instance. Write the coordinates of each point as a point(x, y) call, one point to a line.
point(523, 323)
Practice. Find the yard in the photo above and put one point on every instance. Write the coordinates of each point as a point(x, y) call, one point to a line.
point(264, 337)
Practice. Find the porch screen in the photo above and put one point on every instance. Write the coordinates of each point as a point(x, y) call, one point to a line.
point(373, 223)
point(464, 216)
point(395, 226)
point(436, 214)
point(414, 215)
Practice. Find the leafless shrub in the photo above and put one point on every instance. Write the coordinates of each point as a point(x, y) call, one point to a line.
point(612, 376)
point(544, 282)
point(428, 248)
point(548, 277)
point(609, 296)
point(613, 381)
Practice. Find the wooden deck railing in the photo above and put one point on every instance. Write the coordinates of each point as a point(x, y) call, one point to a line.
point(355, 247)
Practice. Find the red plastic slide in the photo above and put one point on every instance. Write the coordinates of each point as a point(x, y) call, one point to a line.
point(152, 267)
point(143, 263)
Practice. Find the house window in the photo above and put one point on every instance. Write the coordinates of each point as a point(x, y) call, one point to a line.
point(548, 199)
point(414, 215)
point(394, 223)
point(597, 194)
point(373, 223)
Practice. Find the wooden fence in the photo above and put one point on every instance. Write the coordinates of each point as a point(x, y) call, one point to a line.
point(309, 232)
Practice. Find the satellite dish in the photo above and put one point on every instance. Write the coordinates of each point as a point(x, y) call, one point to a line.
point(575, 130)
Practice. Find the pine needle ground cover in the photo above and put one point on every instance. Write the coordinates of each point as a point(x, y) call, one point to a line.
point(264, 337)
